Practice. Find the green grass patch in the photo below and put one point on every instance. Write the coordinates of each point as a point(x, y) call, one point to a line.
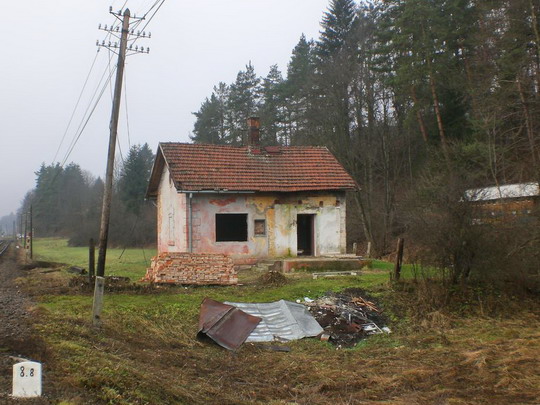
point(146, 351)
point(130, 262)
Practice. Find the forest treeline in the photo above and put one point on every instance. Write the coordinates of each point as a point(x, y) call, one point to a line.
point(66, 202)
point(419, 100)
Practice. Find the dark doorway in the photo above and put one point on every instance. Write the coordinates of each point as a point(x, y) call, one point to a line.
point(304, 229)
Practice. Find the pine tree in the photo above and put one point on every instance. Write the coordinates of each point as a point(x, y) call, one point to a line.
point(272, 110)
point(211, 123)
point(134, 177)
point(244, 101)
point(335, 65)
point(337, 24)
point(297, 91)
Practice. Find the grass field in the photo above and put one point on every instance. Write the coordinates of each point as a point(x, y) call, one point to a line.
point(127, 263)
point(146, 352)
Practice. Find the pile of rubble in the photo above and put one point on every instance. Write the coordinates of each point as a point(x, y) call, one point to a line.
point(342, 319)
point(347, 317)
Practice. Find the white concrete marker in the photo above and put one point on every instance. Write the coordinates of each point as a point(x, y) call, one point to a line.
point(27, 380)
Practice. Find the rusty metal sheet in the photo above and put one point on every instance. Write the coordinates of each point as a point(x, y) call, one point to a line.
point(225, 324)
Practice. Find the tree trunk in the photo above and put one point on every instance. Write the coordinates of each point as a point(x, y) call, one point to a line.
point(528, 123)
point(366, 223)
point(437, 108)
point(419, 116)
point(534, 24)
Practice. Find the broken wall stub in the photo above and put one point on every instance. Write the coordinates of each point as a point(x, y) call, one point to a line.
point(192, 268)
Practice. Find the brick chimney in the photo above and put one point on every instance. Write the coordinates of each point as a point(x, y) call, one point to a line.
point(254, 125)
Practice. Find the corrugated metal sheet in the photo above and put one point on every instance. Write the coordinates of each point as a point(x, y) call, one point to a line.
point(224, 324)
point(281, 320)
point(520, 190)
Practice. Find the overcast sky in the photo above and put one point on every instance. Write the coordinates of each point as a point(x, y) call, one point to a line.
point(48, 49)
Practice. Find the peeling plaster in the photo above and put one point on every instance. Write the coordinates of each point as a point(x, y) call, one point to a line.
point(281, 228)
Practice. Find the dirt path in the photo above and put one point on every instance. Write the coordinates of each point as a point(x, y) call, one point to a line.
point(17, 339)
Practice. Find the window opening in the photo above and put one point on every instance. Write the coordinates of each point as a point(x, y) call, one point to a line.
point(231, 228)
point(260, 227)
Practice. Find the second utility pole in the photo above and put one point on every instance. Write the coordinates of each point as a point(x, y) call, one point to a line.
point(107, 194)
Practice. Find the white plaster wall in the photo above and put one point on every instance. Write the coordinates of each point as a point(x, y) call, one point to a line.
point(343, 225)
point(205, 208)
point(329, 228)
point(171, 216)
point(281, 233)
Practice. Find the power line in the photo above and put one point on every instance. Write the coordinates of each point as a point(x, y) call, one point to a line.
point(79, 100)
point(153, 15)
point(88, 119)
point(90, 109)
point(89, 105)
point(76, 106)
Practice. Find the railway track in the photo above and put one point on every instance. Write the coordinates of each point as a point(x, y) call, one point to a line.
point(4, 245)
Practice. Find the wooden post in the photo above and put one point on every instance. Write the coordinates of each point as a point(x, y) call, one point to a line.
point(91, 259)
point(31, 234)
point(399, 260)
point(368, 253)
point(98, 301)
point(25, 231)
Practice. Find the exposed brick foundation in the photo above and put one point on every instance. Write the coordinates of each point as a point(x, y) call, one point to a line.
point(192, 268)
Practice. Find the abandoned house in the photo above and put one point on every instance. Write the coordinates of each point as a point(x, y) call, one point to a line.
point(505, 203)
point(248, 203)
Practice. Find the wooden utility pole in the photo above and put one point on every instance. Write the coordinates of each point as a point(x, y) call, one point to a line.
point(107, 195)
point(91, 260)
point(31, 235)
point(25, 228)
point(399, 260)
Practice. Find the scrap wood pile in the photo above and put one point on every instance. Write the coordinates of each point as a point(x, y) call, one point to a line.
point(348, 317)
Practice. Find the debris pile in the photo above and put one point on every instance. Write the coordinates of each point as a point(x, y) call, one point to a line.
point(230, 324)
point(347, 317)
point(273, 278)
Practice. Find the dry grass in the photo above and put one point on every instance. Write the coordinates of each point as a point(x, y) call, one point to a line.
point(272, 278)
point(146, 353)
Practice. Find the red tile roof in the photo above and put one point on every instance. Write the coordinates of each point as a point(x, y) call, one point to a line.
point(198, 167)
